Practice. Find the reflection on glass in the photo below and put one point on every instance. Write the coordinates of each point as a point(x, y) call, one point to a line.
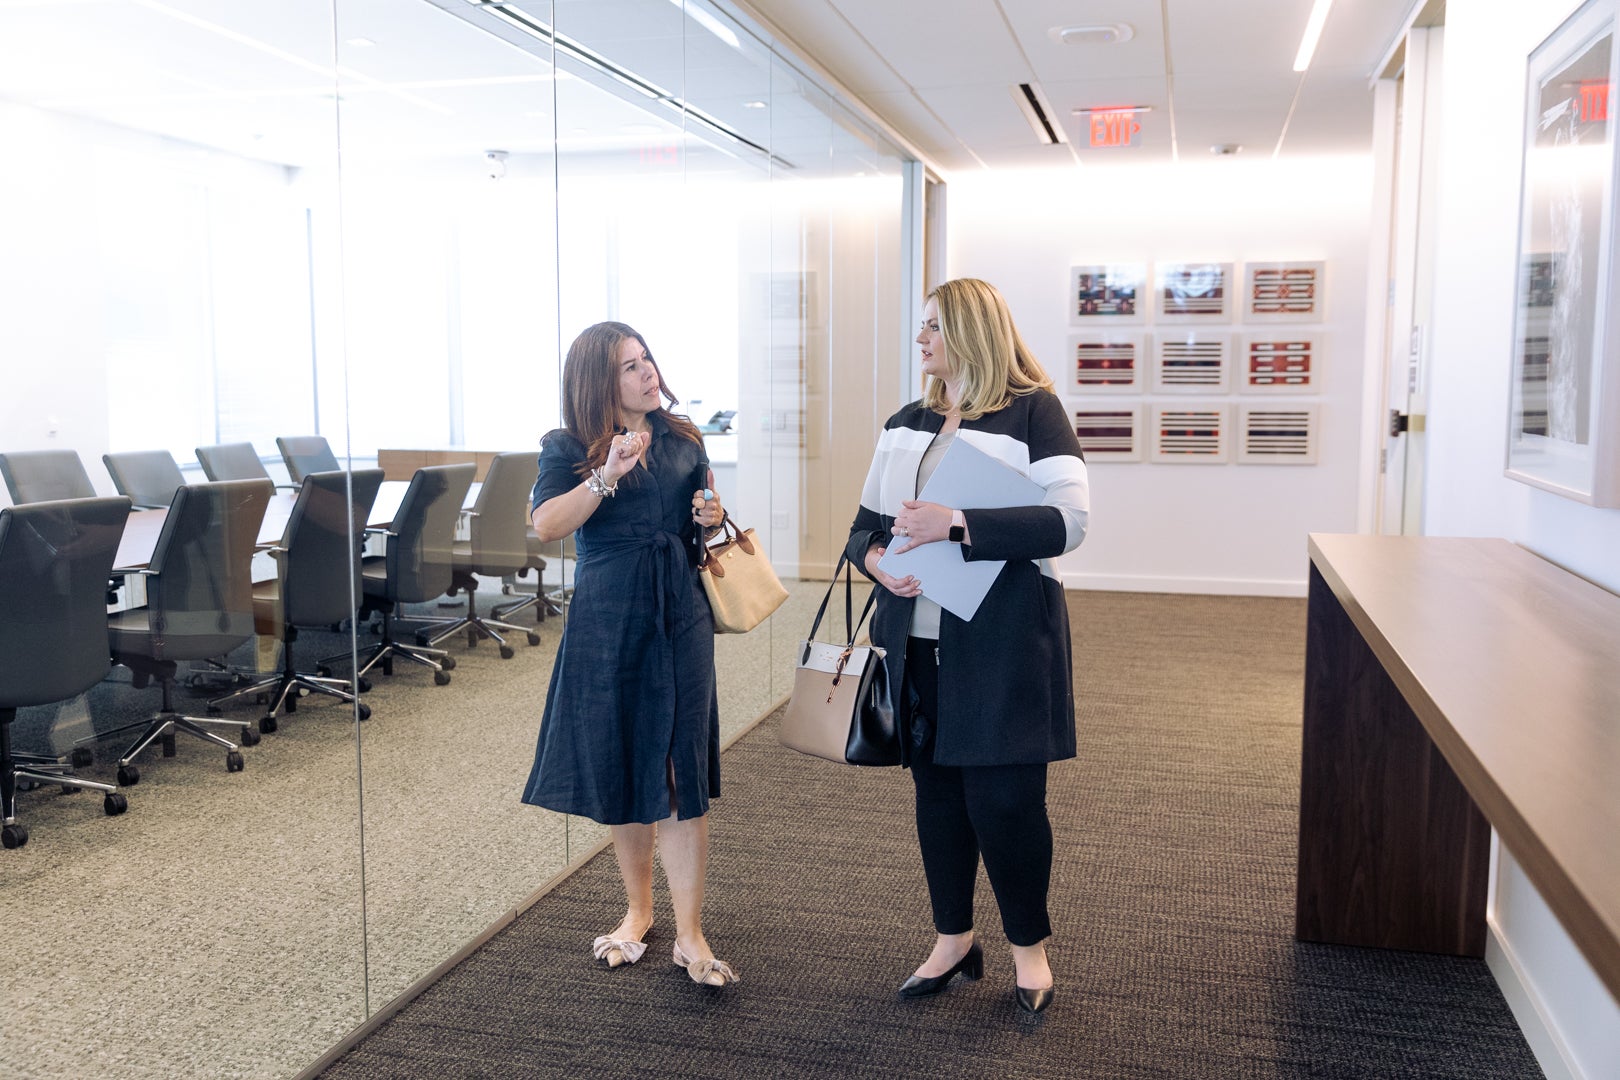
point(1562, 257)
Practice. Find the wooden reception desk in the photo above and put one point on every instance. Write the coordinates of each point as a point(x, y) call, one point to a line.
point(1452, 685)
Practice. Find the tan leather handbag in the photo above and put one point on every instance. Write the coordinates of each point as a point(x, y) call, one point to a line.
point(742, 587)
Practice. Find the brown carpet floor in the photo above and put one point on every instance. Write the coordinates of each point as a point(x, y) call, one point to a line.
point(1172, 903)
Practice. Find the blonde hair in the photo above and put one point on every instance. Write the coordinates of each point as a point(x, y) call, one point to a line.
point(986, 357)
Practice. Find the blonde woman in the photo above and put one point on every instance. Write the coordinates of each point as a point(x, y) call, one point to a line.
point(984, 704)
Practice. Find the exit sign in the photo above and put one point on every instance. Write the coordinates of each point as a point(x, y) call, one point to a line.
point(1114, 127)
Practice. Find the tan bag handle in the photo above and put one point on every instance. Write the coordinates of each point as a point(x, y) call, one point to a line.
point(733, 535)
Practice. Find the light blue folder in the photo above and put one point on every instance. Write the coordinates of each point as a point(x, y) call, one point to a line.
point(966, 479)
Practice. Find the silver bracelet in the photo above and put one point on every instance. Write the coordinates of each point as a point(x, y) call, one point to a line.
point(597, 485)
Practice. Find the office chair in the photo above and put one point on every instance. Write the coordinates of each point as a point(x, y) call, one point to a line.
point(305, 454)
point(544, 601)
point(45, 476)
point(54, 561)
point(317, 584)
point(234, 461)
point(498, 546)
point(149, 477)
point(417, 566)
point(199, 592)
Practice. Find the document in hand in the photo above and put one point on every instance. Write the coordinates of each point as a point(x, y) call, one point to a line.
point(966, 479)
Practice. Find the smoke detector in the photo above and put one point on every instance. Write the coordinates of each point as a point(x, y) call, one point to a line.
point(1226, 149)
point(1100, 34)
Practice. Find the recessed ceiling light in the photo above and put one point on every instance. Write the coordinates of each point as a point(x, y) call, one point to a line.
point(1099, 34)
point(753, 104)
point(360, 42)
point(1226, 149)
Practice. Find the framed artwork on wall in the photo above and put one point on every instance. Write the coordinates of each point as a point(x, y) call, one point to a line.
point(1284, 291)
point(1282, 434)
point(1280, 361)
point(1564, 409)
point(1189, 292)
point(1190, 433)
point(1107, 362)
point(1108, 294)
point(1194, 361)
point(1109, 432)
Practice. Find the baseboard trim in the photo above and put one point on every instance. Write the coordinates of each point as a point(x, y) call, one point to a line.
point(1194, 585)
point(412, 992)
point(1552, 1054)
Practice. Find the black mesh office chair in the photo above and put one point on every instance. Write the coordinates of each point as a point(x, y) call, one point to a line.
point(234, 461)
point(54, 561)
point(498, 545)
point(45, 475)
point(149, 477)
point(416, 566)
point(305, 454)
point(319, 567)
point(199, 592)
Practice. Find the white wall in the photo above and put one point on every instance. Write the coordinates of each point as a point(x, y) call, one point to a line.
point(1561, 1004)
point(1236, 529)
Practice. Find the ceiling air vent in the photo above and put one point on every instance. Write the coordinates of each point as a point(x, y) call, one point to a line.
point(1038, 112)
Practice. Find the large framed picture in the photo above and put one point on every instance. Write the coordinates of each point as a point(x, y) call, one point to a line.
point(1108, 362)
point(1284, 291)
point(1190, 292)
point(1565, 397)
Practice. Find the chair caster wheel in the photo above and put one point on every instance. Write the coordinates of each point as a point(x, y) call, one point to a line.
point(169, 748)
point(234, 762)
point(291, 704)
point(81, 757)
point(249, 736)
point(213, 710)
point(13, 836)
point(323, 671)
point(388, 667)
point(267, 724)
point(28, 785)
point(114, 804)
point(472, 639)
point(365, 711)
point(70, 789)
point(449, 663)
point(364, 685)
point(128, 776)
point(441, 678)
point(534, 638)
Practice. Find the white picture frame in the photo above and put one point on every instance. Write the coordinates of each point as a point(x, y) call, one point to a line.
point(1191, 361)
point(1107, 362)
point(1193, 293)
point(1277, 433)
point(1190, 432)
point(1564, 401)
point(1106, 295)
point(1108, 431)
point(1284, 291)
point(1280, 361)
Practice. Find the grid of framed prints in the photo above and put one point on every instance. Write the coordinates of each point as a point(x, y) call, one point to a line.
point(1174, 362)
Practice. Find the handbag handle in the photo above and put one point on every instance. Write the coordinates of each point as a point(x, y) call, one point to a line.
point(853, 627)
point(733, 535)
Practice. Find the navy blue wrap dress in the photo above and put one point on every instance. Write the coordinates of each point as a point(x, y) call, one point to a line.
point(633, 685)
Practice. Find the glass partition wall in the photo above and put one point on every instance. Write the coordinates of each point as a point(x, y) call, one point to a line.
point(384, 224)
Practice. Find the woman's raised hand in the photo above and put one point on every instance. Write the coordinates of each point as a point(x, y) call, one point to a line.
point(906, 586)
point(624, 453)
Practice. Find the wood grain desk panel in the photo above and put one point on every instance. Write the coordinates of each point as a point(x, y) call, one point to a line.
point(1511, 667)
point(402, 464)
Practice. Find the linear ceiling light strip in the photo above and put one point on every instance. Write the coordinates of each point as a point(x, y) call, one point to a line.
point(572, 49)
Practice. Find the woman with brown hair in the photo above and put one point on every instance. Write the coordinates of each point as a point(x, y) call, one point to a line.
point(630, 736)
point(985, 703)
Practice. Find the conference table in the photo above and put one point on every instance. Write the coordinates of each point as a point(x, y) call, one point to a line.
point(143, 528)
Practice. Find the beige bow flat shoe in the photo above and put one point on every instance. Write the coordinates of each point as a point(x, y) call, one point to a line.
point(618, 951)
point(710, 972)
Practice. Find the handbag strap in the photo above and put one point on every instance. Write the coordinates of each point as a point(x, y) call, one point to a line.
point(851, 625)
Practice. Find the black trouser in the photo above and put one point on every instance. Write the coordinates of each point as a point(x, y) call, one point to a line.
point(998, 811)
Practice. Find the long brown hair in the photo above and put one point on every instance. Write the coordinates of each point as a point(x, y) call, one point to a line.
point(590, 392)
point(985, 354)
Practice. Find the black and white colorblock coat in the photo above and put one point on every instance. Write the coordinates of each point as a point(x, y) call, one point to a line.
point(1006, 691)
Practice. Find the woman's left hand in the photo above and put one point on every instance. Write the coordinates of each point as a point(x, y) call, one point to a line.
point(706, 508)
point(922, 522)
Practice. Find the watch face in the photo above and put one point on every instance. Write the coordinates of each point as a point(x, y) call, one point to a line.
point(956, 534)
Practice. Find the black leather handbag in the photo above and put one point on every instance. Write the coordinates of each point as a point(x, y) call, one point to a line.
point(840, 708)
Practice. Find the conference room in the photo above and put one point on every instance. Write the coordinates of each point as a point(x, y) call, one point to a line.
point(369, 230)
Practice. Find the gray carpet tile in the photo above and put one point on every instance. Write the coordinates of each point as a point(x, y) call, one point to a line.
point(1172, 904)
